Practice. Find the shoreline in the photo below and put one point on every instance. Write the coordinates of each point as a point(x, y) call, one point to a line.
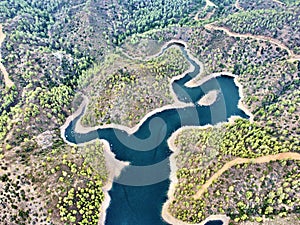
point(173, 167)
point(81, 129)
point(176, 104)
point(196, 81)
point(166, 215)
point(241, 105)
point(163, 48)
point(114, 168)
point(209, 98)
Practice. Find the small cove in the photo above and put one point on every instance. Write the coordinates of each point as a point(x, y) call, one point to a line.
point(138, 194)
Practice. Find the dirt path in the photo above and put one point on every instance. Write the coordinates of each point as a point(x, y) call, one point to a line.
point(237, 5)
point(279, 2)
point(237, 161)
point(208, 3)
point(208, 15)
point(293, 56)
point(8, 82)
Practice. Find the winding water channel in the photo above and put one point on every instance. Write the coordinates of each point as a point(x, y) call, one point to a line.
point(138, 194)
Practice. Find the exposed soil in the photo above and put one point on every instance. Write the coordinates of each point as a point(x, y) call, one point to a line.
point(237, 161)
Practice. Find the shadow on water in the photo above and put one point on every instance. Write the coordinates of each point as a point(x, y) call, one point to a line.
point(138, 194)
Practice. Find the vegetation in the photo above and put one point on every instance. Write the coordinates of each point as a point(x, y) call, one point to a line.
point(78, 175)
point(271, 95)
point(81, 206)
point(19, 196)
point(279, 23)
point(53, 48)
point(204, 151)
point(260, 4)
point(49, 64)
point(138, 16)
point(258, 191)
point(59, 183)
point(121, 94)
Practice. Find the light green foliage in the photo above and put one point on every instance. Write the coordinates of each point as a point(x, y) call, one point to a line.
point(48, 48)
point(81, 206)
point(79, 174)
point(204, 151)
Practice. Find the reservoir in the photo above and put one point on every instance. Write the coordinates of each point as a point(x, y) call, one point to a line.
point(138, 194)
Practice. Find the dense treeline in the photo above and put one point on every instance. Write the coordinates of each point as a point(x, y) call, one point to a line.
point(9, 97)
point(137, 16)
point(224, 8)
point(82, 173)
point(71, 179)
point(48, 63)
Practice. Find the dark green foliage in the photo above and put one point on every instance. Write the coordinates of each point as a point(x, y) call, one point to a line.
point(137, 16)
point(51, 63)
point(49, 44)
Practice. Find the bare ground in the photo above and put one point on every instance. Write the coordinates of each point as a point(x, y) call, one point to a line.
point(237, 161)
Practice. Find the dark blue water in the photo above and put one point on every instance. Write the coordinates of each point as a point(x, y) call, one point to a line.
point(138, 194)
point(214, 222)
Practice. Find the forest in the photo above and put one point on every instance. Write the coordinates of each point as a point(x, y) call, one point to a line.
point(136, 16)
point(54, 50)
